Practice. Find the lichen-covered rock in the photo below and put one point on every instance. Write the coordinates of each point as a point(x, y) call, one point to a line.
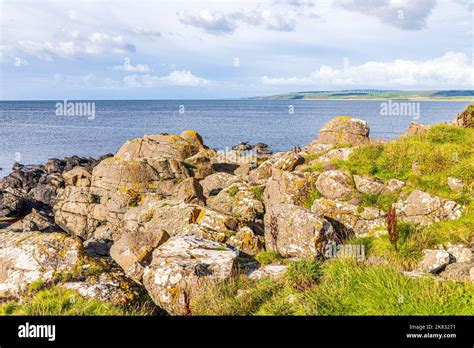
point(246, 241)
point(200, 164)
point(290, 188)
point(368, 185)
point(35, 221)
point(238, 200)
point(214, 183)
point(455, 184)
point(32, 256)
point(268, 271)
point(393, 185)
point(158, 145)
point(434, 261)
point(337, 154)
point(348, 219)
point(421, 207)
point(465, 119)
point(334, 184)
point(344, 130)
point(460, 252)
point(78, 176)
point(183, 264)
point(462, 271)
point(415, 128)
point(293, 231)
point(283, 161)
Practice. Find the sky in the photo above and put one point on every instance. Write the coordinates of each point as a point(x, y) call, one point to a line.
point(103, 49)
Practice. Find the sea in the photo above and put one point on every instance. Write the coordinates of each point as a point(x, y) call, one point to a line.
point(33, 131)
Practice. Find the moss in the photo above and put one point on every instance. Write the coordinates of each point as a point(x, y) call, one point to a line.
point(258, 192)
point(268, 257)
point(233, 191)
point(312, 196)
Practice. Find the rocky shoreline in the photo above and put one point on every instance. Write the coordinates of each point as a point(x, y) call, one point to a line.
point(167, 216)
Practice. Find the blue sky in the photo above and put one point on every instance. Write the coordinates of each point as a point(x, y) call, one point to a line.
point(230, 49)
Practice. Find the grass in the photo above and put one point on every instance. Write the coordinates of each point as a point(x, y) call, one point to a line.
point(312, 196)
point(336, 287)
point(268, 257)
point(61, 301)
point(258, 192)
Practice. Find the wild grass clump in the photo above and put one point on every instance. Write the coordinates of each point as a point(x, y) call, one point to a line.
point(337, 287)
point(267, 257)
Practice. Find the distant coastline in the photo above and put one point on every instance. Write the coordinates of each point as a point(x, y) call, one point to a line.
point(428, 95)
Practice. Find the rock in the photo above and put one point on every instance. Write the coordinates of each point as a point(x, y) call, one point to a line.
point(263, 151)
point(184, 265)
point(246, 241)
point(347, 219)
point(415, 128)
point(293, 231)
point(214, 183)
point(434, 261)
point(243, 146)
point(460, 252)
point(97, 247)
point(284, 161)
point(421, 207)
point(269, 271)
point(35, 221)
point(334, 184)
point(315, 148)
point(393, 185)
point(260, 146)
point(465, 119)
point(14, 205)
point(244, 169)
point(190, 191)
point(290, 188)
point(328, 166)
point(78, 176)
point(455, 184)
point(238, 200)
point(368, 185)
point(31, 256)
point(200, 164)
point(194, 138)
point(344, 130)
point(337, 154)
point(158, 145)
point(463, 271)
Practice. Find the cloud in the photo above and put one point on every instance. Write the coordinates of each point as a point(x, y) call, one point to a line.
point(181, 78)
point(75, 80)
point(295, 3)
point(126, 66)
point(217, 22)
point(403, 14)
point(451, 69)
point(96, 43)
point(146, 31)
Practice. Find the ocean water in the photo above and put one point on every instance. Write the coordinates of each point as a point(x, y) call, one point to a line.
point(31, 132)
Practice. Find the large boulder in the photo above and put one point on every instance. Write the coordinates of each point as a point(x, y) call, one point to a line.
point(348, 219)
point(214, 183)
point(421, 207)
point(344, 130)
point(35, 221)
point(283, 161)
point(465, 119)
point(335, 184)
point(368, 185)
point(290, 188)
point(463, 271)
point(293, 231)
point(32, 256)
point(434, 261)
point(183, 265)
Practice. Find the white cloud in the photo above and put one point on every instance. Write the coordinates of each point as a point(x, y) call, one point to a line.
point(403, 14)
point(182, 78)
point(95, 44)
point(75, 80)
point(126, 66)
point(451, 69)
point(146, 31)
point(217, 22)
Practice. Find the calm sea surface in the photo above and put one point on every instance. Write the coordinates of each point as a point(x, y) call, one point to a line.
point(31, 132)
